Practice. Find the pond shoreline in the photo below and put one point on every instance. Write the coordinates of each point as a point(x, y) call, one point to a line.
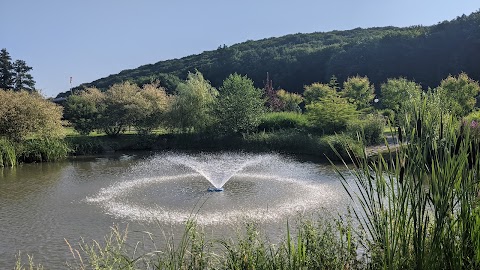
point(296, 143)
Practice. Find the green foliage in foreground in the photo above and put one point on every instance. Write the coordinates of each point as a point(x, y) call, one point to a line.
point(419, 203)
point(312, 245)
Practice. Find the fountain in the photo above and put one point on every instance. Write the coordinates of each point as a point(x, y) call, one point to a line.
point(171, 188)
point(219, 168)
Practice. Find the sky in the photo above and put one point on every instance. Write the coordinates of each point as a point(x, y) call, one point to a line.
point(91, 39)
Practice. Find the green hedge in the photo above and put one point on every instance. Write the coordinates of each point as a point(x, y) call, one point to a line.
point(282, 120)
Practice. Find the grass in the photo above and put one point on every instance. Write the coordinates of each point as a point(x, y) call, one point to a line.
point(8, 154)
point(314, 245)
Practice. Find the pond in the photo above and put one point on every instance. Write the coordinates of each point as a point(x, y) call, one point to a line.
point(41, 205)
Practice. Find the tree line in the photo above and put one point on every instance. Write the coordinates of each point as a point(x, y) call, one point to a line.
point(237, 106)
point(426, 54)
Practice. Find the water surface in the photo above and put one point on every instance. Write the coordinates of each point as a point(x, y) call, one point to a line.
point(43, 204)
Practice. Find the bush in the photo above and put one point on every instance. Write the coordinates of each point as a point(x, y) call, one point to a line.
point(340, 146)
point(388, 114)
point(282, 120)
point(40, 150)
point(473, 116)
point(370, 129)
point(24, 115)
point(291, 141)
point(85, 145)
point(331, 115)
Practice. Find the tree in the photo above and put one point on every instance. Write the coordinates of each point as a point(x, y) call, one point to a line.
point(331, 114)
point(123, 107)
point(317, 91)
point(193, 104)
point(457, 94)
point(156, 102)
point(333, 83)
point(6, 70)
point(398, 94)
point(358, 91)
point(24, 114)
point(22, 79)
point(273, 101)
point(240, 105)
point(84, 110)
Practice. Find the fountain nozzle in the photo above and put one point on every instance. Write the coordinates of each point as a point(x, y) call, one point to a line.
point(214, 189)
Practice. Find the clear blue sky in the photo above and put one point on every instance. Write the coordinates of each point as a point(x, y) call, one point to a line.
point(90, 39)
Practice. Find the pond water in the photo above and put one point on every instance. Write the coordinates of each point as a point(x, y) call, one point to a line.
point(41, 205)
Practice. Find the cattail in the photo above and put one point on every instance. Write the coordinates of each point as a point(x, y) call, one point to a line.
point(400, 136)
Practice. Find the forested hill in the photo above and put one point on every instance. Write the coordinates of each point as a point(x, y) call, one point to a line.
point(426, 54)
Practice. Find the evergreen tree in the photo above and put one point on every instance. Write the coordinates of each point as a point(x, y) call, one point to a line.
point(22, 79)
point(6, 70)
point(333, 83)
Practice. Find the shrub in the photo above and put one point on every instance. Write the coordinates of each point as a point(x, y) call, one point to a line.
point(370, 129)
point(40, 150)
point(282, 120)
point(340, 146)
point(330, 115)
point(84, 145)
point(473, 116)
point(25, 114)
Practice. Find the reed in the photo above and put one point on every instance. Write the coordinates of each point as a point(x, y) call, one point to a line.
point(8, 156)
point(43, 150)
point(418, 204)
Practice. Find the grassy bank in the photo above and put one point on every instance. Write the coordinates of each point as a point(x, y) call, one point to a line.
point(32, 150)
point(292, 142)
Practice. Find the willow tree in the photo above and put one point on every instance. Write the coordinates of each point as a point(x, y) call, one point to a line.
point(193, 103)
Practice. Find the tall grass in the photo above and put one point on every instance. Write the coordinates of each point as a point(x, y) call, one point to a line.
point(8, 155)
point(43, 149)
point(315, 245)
point(30, 265)
point(419, 203)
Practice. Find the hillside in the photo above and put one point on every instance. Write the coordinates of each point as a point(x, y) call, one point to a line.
point(425, 54)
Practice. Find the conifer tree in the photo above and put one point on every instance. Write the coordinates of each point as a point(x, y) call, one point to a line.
point(6, 70)
point(22, 79)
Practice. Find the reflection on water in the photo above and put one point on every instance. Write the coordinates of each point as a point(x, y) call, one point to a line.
point(41, 204)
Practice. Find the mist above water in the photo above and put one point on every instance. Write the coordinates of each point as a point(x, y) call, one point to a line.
point(218, 168)
point(172, 187)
